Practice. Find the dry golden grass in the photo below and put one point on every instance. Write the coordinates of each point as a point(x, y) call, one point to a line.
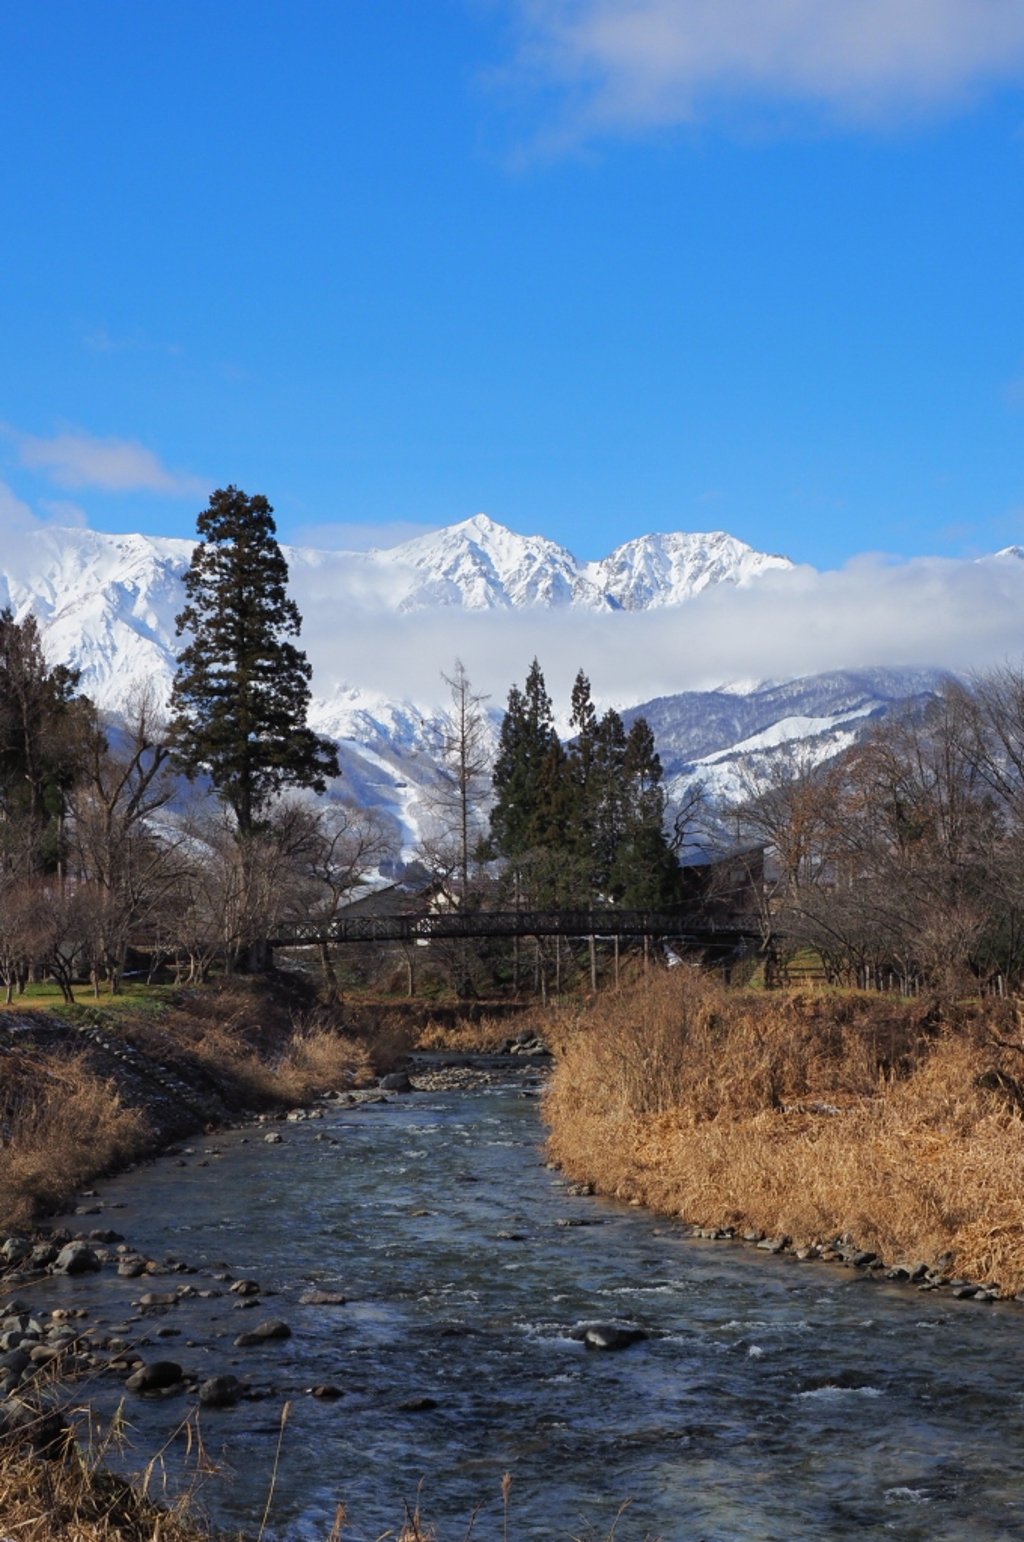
point(551, 1023)
point(61, 1124)
point(76, 1499)
point(700, 1102)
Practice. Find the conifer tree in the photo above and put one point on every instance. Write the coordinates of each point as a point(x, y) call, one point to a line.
point(241, 692)
point(43, 725)
point(645, 873)
point(529, 781)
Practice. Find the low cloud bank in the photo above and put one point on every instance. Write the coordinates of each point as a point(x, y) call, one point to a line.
point(950, 614)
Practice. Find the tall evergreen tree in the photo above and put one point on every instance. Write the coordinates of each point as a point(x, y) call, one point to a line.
point(529, 782)
point(645, 872)
point(241, 692)
point(43, 725)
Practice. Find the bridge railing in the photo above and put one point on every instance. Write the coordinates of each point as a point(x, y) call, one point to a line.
point(688, 931)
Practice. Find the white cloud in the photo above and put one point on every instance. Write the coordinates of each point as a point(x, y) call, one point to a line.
point(14, 513)
point(343, 536)
point(75, 458)
point(637, 63)
point(928, 611)
point(61, 511)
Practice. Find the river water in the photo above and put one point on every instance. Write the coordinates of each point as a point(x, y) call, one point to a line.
point(772, 1401)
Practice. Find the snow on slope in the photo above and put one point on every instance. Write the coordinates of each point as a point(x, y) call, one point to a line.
point(107, 603)
point(657, 570)
point(722, 737)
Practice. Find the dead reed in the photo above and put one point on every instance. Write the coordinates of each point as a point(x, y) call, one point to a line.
point(61, 1123)
point(64, 1119)
point(73, 1496)
point(809, 1115)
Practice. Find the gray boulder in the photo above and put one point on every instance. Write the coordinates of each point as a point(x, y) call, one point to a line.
point(220, 1392)
point(154, 1377)
point(274, 1328)
point(76, 1258)
point(395, 1081)
point(15, 1249)
point(608, 1335)
point(45, 1429)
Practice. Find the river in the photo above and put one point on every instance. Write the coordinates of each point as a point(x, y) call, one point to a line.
point(772, 1401)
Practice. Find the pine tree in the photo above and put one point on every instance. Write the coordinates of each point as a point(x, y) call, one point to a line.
point(241, 692)
point(43, 725)
point(529, 782)
point(645, 871)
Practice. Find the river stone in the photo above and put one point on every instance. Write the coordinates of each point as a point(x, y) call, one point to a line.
point(104, 1234)
point(14, 1362)
point(395, 1081)
point(417, 1405)
point(610, 1335)
point(76, 1258)
point(245, 1288)
point(322, 1298)
point(273, 1328)
point(131, 1268)
point(15, 1249)
point(45, 1429)
point(327, 1390)
point(220, 1392)
point(159, 1298)
point(42, 1255)
point(154, 1377)
point(273, 1139)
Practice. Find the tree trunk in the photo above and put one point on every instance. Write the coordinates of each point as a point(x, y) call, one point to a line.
point(330, 976)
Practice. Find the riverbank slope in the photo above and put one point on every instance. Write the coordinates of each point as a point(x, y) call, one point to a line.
point(807, 1116)
point(86, 1090)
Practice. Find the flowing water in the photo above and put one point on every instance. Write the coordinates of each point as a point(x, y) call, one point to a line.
point(772, 1400)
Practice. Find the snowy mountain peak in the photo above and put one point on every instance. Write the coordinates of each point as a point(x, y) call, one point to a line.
point(665, 569)
point(483, 565)
point(107, 603)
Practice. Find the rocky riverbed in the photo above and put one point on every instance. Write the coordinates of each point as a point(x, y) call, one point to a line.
point(436, 1303)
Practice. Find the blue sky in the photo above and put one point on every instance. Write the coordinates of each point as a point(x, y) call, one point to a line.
point(593, 266)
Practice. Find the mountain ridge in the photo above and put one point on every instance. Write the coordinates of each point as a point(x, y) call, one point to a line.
point(107, 603)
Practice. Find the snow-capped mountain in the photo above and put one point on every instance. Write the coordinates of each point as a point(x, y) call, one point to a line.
point(107, 603)
point(657, 570)
point(724, 738)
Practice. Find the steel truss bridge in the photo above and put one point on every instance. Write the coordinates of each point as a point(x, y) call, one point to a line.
point(687, 932)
